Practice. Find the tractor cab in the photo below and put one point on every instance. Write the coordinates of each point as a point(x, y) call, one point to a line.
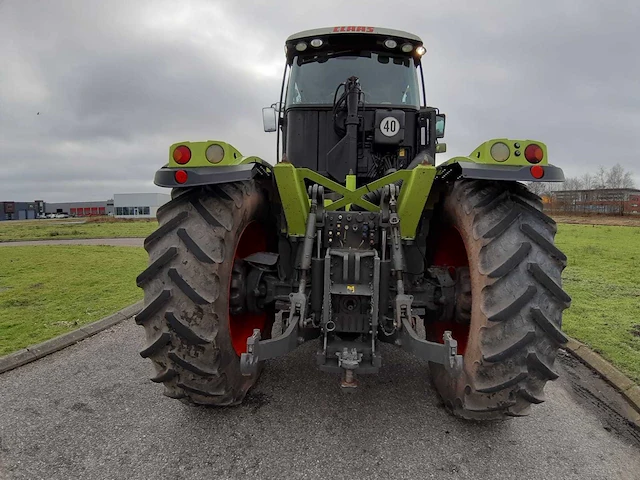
point(353, 101)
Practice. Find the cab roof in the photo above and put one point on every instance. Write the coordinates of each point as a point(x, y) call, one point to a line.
point(325, 42)
point(354, 29)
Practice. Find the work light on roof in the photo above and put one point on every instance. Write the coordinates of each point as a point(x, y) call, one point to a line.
point(407, 47)
point(301, 46)
point(316, 42)
point(421, 50)
point(390, 43)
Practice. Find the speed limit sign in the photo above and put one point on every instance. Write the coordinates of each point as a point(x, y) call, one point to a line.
point(389, 126)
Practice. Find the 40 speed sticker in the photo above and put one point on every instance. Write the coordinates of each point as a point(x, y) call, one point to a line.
point(389, 126)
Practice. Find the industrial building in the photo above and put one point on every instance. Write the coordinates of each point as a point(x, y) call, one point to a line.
point(81, 209)
point(123, 205)
point(138, 205)
point(18, 210)
point(605, 201)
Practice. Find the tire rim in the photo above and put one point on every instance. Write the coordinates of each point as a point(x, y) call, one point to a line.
point(450, 252)
point(252, 240)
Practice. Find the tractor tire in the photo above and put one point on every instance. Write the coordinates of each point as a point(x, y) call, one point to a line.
point(191, 336)
point(514, 330)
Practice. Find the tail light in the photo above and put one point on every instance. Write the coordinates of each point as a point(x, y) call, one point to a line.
point(181, 155)
point(533, 153)
point(537, 171)
point(181, 176)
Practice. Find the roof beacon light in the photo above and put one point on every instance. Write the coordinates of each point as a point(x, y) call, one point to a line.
point(301, 46)
point(407, 47)
point(533, 153)
point(182, 155)
point(316, 43)
point(390, 43)
point(421, 50)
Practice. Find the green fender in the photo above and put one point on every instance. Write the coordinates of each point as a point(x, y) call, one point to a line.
point(199, 159)
point(198, 171)
point(480, 164)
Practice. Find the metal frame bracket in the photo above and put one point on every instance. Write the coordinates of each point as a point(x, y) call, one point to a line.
point(259, 350)
point(443, 353)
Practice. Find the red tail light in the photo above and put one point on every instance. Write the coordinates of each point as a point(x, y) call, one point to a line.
point(537, 172)
point(182, 154)
point(181, 176)
point(533, 153)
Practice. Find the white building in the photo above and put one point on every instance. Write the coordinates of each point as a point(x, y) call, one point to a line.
point(138, 205)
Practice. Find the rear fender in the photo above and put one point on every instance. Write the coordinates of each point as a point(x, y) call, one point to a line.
point(199, 159)
point(232, 167)
point(167, 176)
point(481, 165)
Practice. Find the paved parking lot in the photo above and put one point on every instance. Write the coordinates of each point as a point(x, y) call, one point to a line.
point(90, 412)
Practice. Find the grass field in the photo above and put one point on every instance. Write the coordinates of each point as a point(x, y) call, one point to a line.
point(72, 228)
point(603, 278)
point(49, 290)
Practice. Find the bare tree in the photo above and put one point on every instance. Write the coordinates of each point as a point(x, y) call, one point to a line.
point(572, 183)
point(600, 180)
point(587, 181)
point(615, 176)
point(539, 188)
point(627, 180)
point(544, 188)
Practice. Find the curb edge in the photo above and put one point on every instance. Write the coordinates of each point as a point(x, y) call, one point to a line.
point(36, 352)
point(614, 377)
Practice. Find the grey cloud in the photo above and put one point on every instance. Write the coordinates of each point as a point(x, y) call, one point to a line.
point(117, 82)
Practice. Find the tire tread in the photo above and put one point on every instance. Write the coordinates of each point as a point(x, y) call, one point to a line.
point(515, 268)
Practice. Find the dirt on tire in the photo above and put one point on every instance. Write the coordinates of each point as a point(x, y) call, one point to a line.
point(186, 292)
point(517, 300)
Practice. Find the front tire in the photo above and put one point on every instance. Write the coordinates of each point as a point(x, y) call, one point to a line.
point(192, 339)
point(517, 300)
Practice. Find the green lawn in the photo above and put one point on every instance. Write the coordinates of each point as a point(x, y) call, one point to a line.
point(603, 278)
point(52, 230)
point(49, 290)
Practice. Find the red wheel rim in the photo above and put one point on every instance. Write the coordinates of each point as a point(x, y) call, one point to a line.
point(252, 240)
point(450, 252)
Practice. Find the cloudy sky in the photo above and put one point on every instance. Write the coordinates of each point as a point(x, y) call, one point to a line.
point(93, 92)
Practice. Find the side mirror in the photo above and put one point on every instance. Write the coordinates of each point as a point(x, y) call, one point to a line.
point(441, 148)
point(440, 122)
point(269, 119)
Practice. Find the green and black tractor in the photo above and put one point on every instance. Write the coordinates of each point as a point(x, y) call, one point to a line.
point(353, 237)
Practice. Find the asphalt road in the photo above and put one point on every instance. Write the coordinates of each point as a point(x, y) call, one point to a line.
point(90, 412)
